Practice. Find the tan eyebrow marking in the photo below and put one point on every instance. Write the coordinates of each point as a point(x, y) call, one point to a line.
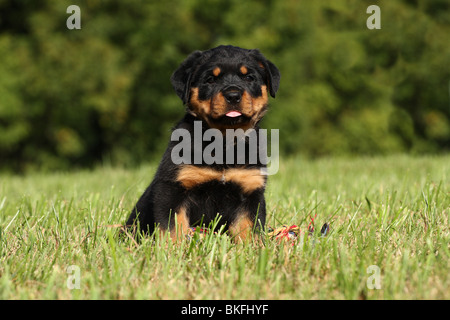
point(216, 71)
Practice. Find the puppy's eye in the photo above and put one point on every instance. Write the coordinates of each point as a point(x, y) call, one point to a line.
point(249, 78)
point(211, 80)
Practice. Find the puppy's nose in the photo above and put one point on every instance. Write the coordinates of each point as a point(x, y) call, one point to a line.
point(233, 96)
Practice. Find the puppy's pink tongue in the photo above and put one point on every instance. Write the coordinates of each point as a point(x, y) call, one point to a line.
point(233, 114)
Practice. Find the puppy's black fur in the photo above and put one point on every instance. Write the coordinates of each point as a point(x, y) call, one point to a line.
point(223, 88)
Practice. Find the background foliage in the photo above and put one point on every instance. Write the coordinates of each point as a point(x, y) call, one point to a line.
point(73, 98)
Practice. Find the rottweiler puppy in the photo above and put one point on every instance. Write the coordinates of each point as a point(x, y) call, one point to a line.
point(225, 89)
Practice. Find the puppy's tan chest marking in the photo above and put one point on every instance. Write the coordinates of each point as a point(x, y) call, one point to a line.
point(248, 179)
point(190, 176)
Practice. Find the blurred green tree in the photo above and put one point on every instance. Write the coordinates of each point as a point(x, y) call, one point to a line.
point(101, 94)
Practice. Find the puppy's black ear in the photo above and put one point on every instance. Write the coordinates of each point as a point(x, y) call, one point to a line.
point(181, 78)
point(274, 76)
point(271, 72)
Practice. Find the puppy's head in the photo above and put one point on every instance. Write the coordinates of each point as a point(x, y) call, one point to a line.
point(227, 86)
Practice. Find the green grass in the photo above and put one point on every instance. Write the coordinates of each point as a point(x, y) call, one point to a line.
point(389, 212)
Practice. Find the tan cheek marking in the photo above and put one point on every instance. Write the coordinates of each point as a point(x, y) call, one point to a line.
point(200, 107)
point(259, 105)
point(260, 102)
point(218, 105)
point(248, 179)
point(247, 104)
point(255, 108)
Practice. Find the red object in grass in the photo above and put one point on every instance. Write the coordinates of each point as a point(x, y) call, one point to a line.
point(288, 233)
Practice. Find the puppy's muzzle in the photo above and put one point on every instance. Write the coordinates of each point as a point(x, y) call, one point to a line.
point(233, 94)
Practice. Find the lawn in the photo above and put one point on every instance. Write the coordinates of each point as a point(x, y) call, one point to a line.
point(388, 238)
